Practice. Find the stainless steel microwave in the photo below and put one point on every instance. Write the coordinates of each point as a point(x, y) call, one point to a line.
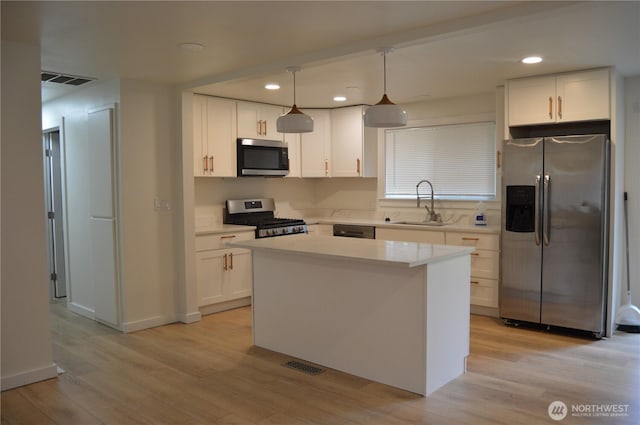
point(262, 158)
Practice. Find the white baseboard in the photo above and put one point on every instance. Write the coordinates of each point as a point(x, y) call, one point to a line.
point(195, 316)
point(484, 311)
point(227, 305)
point(151, 322)
point(29, 377)
point(82, 310)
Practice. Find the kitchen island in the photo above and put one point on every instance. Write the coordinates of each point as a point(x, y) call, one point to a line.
point(392, 312)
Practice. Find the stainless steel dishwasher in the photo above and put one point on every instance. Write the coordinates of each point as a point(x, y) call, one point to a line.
point(354, 231)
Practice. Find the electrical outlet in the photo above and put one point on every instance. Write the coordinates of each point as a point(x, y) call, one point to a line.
point(161, 205)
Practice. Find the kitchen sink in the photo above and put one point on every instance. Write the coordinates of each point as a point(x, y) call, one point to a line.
point(422, 223)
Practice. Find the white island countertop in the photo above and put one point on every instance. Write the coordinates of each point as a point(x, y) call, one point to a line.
point(409, 254)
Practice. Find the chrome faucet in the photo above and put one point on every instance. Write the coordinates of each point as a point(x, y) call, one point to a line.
point(431, 212)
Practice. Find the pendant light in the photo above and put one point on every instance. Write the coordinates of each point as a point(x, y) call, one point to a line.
point(385, 113)
point(295, 121)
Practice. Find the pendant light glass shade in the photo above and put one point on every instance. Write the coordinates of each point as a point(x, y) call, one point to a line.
point(385, 113)
point(295, 121)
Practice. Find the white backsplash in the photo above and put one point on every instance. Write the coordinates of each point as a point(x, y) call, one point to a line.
point(325, 198)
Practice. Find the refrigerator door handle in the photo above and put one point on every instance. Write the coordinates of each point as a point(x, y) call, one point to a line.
point(547, 207)
point(536, 211)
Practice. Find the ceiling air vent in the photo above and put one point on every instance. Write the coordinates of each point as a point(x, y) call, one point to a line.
point(56, 77)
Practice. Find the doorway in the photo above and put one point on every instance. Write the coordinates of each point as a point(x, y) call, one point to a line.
point(54, 212)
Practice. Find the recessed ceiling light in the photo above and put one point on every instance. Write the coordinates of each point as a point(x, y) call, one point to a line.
point(532, 59)
point(193, 47)
point(272, 86)
point(339, 98)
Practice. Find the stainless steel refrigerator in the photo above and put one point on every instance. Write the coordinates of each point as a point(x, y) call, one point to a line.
point(554, 238)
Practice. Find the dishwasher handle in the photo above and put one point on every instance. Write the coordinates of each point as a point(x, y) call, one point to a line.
point(354, 231)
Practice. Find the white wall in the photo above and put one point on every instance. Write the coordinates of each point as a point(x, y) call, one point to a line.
point(149, 151)
point(148, 165)
point(632, 181)
point(26, 341)
point(291, 194)
point(69, 113)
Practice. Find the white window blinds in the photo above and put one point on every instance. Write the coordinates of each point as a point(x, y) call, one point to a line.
point(459, 160)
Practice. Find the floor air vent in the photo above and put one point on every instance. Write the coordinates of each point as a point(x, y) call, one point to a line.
point(56, 77)
point(303, 367)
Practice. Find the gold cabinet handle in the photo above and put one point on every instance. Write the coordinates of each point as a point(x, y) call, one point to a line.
point(259, 127)
point(211, 163)
point(326, 167)
point(559, 106)
point(498, 159)
point(475, 282)
point(475, 254)
point(205, 165)
point(358, 166)
point(550, 107)
point(264, 127)
point(224, 266)
point(231, 261)
point(225, 239)
point(470, 239)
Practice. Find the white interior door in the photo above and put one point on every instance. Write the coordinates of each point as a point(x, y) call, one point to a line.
point(103, 220)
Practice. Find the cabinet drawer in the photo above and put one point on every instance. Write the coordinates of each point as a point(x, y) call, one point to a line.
point(479, 240)
point(484, 264)
point(484, 292)
point(218, 241)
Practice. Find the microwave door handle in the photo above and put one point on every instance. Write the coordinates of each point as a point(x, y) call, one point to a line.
point(536, 211)
point(547, 207)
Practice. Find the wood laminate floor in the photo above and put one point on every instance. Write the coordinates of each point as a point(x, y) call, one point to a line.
point(209, 373)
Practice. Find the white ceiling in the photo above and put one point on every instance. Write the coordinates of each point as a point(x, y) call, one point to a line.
point(442, 49)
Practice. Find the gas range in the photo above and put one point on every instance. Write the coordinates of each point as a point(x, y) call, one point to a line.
point(260, 213)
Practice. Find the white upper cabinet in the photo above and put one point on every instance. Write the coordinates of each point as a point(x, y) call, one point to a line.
point(583, 96)
point(293, 144)
point(258, 121)
point(214, 136)
point(353, 146)
point(575, 96)
point(315, 147)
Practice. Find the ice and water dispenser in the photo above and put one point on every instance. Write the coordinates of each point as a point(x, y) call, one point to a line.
point(520, 209)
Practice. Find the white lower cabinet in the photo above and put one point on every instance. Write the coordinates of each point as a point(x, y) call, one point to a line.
point(485, 265)
point(485, 260)
point(320, 229)
point(222, 274)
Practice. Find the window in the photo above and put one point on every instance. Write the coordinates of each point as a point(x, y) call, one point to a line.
point(459, 160)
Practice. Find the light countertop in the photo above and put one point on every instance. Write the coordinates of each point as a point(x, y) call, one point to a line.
point(492, 229)
point(409, 254)
point(223, 228)
point(232, 228)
